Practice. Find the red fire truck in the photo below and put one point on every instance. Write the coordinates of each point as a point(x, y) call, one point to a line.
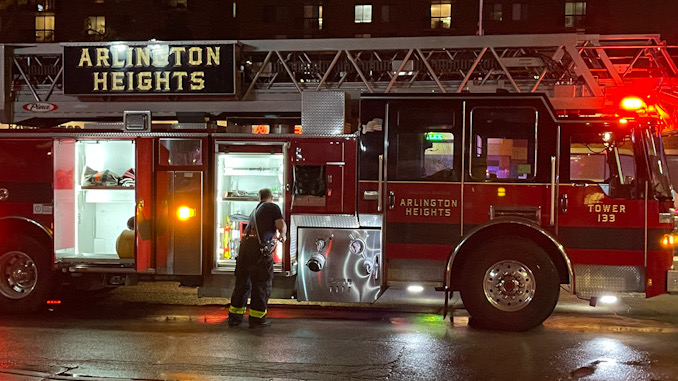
point(128, 162)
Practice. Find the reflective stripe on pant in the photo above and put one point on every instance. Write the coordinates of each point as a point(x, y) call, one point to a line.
point(236, 310)
point(249, 256)
point(257, 314)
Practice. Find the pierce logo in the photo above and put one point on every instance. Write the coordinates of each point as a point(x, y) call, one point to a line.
point(40, 107)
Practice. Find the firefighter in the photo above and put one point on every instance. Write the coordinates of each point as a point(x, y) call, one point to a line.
point(254, 265)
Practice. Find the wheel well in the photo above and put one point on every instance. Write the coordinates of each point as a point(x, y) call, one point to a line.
point(512, 230)
point(19, 227)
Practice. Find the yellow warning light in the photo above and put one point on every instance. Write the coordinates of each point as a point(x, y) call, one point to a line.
point(501, 192)
point(632, 103)
point(298, 130)
point(184, 213)
point(667, 240)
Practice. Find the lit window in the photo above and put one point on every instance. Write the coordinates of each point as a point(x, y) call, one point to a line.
point(178, 3)
point(496, 12)
point(363, 14)
point(313, 17)
point(44, 27)
point(575, 14)
point(441, 14)
point(96, 25)
point(44, 5)
point(520, 11)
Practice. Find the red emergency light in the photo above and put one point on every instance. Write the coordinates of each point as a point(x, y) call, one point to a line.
point(632, 103)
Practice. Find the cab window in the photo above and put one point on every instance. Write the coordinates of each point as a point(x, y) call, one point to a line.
point(503, 143)
point(422, 145)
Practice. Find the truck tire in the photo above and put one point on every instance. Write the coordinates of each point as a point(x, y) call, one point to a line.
point(25, 275)
point(509, 284)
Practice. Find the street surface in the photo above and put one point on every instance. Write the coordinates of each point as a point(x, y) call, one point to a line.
point(158, 331)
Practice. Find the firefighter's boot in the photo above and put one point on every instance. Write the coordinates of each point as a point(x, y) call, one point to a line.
point(235, 316)
point(261, 322)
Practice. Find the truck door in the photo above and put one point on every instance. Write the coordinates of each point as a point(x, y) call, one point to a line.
point(506, 176)
point(179, 205)
point(422, 187)
point(604, 220)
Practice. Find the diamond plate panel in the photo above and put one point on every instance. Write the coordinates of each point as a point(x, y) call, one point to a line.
point(323, 112)
point(593, 280)
point(672, 282)
point(370, 220)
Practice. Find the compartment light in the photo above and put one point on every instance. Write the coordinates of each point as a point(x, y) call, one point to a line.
point(184, 213)
point(415, 288)
point(608, 299)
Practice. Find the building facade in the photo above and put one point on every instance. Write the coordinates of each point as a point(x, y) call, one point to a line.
point(109, 20)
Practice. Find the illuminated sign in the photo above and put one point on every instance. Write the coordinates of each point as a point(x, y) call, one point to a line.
point(434, 137)
point(261, 129)
point(154, 68)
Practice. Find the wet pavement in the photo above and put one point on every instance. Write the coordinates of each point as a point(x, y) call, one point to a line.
point(148, 333)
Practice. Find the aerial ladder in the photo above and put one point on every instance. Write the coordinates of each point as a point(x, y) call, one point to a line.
point(580, 73)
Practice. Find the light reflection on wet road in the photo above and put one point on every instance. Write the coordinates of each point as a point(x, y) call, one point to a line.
point(118, 340)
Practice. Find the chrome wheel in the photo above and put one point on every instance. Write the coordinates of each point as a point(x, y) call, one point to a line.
point(18, 275)
point(509, 285)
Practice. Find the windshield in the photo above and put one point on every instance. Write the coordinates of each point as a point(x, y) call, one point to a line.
point(659, 172)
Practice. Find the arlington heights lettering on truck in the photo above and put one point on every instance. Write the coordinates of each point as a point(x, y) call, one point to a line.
point(152, 68)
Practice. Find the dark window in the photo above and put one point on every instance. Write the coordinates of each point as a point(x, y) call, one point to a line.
point(495, 10)
point(385, 13)
point(275, 13)
point(520, 12)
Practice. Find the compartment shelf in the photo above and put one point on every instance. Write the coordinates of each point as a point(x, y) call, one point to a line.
point(245, 199)
point(116, 187)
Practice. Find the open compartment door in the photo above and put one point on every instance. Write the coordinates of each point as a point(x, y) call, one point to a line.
point(144, 202)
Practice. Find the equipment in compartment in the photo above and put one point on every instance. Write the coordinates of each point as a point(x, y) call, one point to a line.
point(103, 201)
point(239, 176)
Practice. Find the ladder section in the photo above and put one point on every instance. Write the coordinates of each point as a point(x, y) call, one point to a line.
point(577, 72)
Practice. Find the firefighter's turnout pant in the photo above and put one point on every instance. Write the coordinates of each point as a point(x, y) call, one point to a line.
point(253, 273)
